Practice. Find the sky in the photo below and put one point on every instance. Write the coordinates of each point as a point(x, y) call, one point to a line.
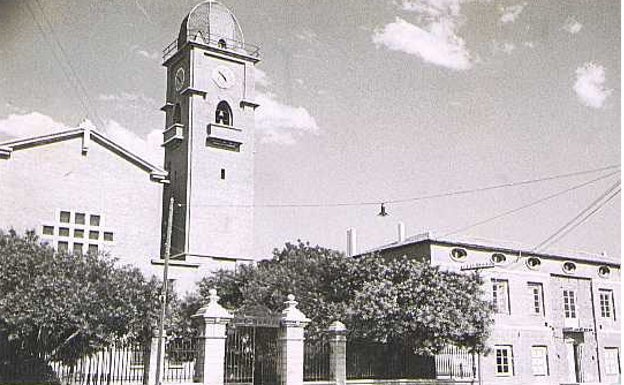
point(363, 102)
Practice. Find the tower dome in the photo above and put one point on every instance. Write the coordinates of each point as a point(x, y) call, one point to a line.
point(212, 23)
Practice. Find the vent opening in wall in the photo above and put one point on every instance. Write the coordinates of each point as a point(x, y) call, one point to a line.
point(569, 267)
point(498, 258)
point(533, 263)
point(458, 254)
point(604, 271)
point(222, 173)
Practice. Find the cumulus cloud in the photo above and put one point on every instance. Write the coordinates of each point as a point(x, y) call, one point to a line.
point(572, 26)
point(511, 13)
point(280, 123)
point(589, 85)
point(32, 124)
point(436, 41)
point(261, 78)
point(437, 44)
point(24, 125)
point(276, 122)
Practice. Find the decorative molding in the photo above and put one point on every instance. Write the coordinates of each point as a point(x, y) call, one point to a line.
point(248, 103)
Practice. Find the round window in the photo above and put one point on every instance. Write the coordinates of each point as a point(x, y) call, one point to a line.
point(604, 271)
point(533, 263)
point(459, 254)
point(569, 267)
point(498, 258)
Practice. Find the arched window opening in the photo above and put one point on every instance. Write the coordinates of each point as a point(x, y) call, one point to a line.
point(223, 115)
point(222, 44)
point(177, 114)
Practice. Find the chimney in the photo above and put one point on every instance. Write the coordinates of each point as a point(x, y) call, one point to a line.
point(351, 242)
point(401, 231)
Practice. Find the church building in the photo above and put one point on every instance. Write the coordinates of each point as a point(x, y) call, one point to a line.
point(83, 192)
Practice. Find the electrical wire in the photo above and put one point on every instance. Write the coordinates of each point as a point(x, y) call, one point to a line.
point(531, 204)
point(582, 216)
point(416, 198)
point(72, 76)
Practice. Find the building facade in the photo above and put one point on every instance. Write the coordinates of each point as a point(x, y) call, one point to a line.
point(557, 319)
point(82, 192)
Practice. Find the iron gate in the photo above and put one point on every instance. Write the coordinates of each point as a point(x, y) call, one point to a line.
point(252, 352)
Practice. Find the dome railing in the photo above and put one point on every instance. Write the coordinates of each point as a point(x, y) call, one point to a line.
point(220, 43)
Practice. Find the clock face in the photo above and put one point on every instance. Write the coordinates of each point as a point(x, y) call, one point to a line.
point(223, 77)
point(179, 79)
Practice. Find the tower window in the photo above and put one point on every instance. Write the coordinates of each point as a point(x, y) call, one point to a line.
point(222, 173)
point(223, 114)
point(222, 44)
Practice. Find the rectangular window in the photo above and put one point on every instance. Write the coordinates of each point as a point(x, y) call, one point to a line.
point(94, 220)
point(108, 236)
point(64, 232)
point(504, 360)
point(222, 173)
point(536, 292)
point(612, 361)
point(48, 230)
point(79, 218)
point(569, 304)
point(500, 296)
point(78, 233)
point(539, 360)
point(606, 301)
point(65, 215)
point(93, 249)
point(62, 247)
point(77, 248)
point(94, 234)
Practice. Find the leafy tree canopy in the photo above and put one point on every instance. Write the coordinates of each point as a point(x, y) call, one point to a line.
point(54, 305)
point(387, 300)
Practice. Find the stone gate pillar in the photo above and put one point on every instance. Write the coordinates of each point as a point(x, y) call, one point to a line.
point(337, 353)
point(210, 364)
point(293, 323)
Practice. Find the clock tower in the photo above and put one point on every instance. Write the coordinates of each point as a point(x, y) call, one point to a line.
point(209, 139)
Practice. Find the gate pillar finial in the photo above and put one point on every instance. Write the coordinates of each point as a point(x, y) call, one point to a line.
point(209, 367)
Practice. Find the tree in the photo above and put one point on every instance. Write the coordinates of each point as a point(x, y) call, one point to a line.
point(398, 301)
point(55, 305)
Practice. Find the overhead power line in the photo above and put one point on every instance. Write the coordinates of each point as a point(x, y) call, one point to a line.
point(582, 216)
point(65, 64)
point(417, 198)
point(530, 204)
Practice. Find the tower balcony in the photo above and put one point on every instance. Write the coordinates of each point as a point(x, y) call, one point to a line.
point(173, 133)
point(224, 136)
point(217, 44)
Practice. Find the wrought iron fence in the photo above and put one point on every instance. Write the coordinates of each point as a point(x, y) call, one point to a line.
point(252, 355)
point(222, 43)
point(316, 360)
point(180, 359)
point(374, 360)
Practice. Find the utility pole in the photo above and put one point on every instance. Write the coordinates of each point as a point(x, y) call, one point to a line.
point(163, 298)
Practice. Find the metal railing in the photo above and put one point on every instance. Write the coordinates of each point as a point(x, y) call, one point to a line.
point(316, 360)
point(374, 360)
point(220, 43)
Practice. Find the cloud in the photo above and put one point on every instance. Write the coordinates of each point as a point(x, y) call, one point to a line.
point(572, 26)
point(30, 124)
point(511, 13)
point(151, 55)
point(280, 123)
point(589, 85)
point(436, 44)
point(261, 78)
point(37, 124)
point(147, 147)
point(435, 39)
point(508, 48)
